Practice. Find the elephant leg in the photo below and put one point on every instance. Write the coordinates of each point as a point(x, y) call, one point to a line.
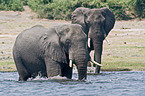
point(53, 68)
point(66, 71)
point(22, 71)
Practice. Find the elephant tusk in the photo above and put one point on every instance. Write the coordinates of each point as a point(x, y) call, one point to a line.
point(94, 62)
point(107, 41)
point(70, 63)
point(89, 45)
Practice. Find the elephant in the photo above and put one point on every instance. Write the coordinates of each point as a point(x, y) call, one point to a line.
point(96, 23)
point(51, 52)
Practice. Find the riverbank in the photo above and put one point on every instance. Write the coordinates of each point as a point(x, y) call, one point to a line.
point(126, 50)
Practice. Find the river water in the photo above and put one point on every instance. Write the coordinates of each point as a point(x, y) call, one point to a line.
point(131, 83)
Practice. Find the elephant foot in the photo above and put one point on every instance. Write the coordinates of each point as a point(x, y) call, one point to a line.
point(66, 71)
point(97, 70)
point(24, 78)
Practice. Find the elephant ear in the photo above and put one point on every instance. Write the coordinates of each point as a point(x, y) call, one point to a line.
point(62, 31)
point(79, 16)
point(110, 20)
point(53, 48)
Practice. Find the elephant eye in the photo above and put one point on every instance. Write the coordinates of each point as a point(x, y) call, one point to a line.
point(67, 41)
point(103, 14)
point(85, 15)
point(99, 16)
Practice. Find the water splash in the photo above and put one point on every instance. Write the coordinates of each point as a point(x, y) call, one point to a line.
point(39, 78)
point(58, 77)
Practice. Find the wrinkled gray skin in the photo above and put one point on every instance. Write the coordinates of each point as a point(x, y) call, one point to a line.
point(97, 24)
point(48, 51)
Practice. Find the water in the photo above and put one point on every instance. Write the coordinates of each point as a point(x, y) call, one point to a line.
point(105, 84)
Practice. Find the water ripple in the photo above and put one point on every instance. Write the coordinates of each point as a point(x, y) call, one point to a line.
point(104, 84)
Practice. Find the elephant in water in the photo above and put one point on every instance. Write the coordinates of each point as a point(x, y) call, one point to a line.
point(96, 24)
point(51, 52)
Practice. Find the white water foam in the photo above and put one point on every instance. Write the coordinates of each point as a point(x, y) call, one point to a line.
point(57, 77)
point(39, 77)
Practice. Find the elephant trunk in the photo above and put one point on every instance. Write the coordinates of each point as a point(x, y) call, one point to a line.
point(81, 61)
point(98, 55)
point(82, 72)
point(82, 68)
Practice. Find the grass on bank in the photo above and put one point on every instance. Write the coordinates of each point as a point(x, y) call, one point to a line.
point(126, 52)
point(123, 65)
point(7, 66)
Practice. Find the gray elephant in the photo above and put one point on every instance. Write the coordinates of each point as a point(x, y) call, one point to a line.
point(51, 51)
point(97, 24)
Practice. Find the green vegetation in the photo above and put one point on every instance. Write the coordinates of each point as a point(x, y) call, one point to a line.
point(15, 5)
point(138, 8)
point(62, 9)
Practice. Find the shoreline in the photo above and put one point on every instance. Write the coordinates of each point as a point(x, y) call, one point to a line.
point(91, 70)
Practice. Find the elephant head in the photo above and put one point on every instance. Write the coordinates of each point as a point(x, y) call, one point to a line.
point(73, 44)
point(97, 24)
